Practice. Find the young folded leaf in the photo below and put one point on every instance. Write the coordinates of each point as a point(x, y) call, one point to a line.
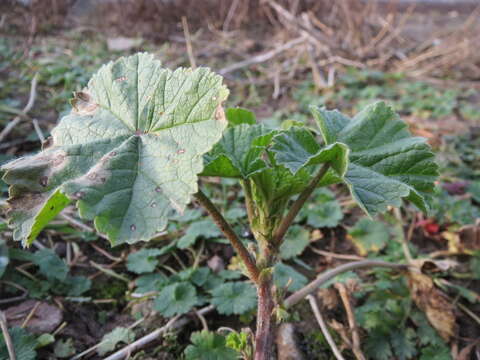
point(129, 151)
point(297, 148)
point(386, 162)
point(238, 153)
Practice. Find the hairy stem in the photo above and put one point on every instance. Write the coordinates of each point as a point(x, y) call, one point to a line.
point(227, 230)
point(298, 204)
point(327, 275)
point(265, 320)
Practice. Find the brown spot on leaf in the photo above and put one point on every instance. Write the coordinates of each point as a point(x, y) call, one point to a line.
point(113, 153)
point(158, 189)
point(83, 103)
point(47, 143)
point(121, 78)
point(133, 227)
point(92, 176)
point(220, 114)
point(181, 151)
point(153, 205)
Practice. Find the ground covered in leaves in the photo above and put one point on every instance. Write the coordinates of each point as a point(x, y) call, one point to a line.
point(71, 295)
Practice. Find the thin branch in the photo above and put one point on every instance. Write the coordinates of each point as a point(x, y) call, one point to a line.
point(298, 204)
point(262, 57)
point(323, 327)
point(227, 230)
point(188, 40)
point(26, 109)
point(327, 275)
point(174, 323)
point(6, 336)
point(356, 348)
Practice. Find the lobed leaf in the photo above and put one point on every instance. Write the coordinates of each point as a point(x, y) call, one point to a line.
point(297, 148)
point(208, 345)
point(128, 153)
point(237, 154)
point(386, 163)
point(234, 297)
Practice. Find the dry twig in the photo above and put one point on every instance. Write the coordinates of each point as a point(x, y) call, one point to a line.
point(174, 323)
point(260, 58)
point(31, 100)
point(327, 275)
point(188, 40)
point(323, 327)
point(356, 348)
point(7, 337)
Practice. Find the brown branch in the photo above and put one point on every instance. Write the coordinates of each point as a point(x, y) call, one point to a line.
point(324, 328)
point(188, 40)
point(327, 275)
point(298, 204)
point(6, 336)
point(356, 348)
point(31, 100)
point(227, 230)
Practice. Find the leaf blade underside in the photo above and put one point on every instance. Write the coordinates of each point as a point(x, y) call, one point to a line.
point(129, 152)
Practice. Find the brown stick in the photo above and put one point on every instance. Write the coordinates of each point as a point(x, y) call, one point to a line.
point(188, 40)
point(227, 230)
point(327, 275)
point(6, 336)
point(324, 328)
point(356, 348)
point(31, 100)
point(298, 204)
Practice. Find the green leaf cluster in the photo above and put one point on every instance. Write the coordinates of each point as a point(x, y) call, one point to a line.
point(207, 345)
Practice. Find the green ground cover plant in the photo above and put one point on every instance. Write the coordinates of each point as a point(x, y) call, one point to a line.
point(139, 137)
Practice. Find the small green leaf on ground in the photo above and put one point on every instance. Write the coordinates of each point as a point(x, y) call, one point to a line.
point(116, 336)
point(203, 228)
point(176, 299)
point(369, 236)
point(150, 282)
point(143, 261)
point(208, 345)
point(284, 274)
point(324, 210)
point(235, 297)
point(50, 264)
point(296, 240)
point(23, 343)
point(64, 348)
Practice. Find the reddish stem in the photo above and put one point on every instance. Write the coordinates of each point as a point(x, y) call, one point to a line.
point(265, 321)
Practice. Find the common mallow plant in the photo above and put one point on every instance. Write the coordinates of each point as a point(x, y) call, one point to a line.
point(130, 153)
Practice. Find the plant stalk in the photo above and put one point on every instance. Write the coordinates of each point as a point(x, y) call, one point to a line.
point(265, 320)
point(227, 230)
point(298, 204)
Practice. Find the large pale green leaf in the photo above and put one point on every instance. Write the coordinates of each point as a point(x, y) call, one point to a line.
point(386, 162)
point(237, 154)
point(129, 152)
